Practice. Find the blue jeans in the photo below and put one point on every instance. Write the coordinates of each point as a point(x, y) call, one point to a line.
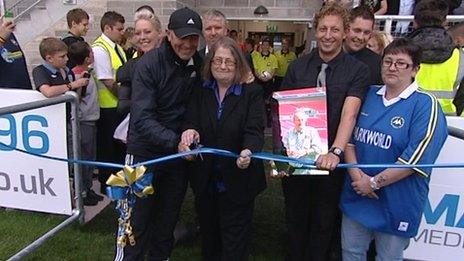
point(356, 239)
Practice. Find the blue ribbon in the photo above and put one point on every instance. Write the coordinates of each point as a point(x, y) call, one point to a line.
point(225, 153)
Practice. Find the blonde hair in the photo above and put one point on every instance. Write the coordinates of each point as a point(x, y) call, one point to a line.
point(145, 14)
point(333, 8)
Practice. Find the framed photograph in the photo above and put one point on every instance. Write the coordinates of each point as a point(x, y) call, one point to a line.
point(300, 128)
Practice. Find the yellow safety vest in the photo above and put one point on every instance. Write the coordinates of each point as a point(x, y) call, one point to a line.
point(283, 60)
point(264, 63)
point(105, 96)
point(442, 80)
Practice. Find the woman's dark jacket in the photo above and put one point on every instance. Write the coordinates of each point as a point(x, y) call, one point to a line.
point(241, 126)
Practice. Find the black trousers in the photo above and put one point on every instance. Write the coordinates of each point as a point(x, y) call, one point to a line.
point(154, 217)
point(225, 227)
point(313, 217)
point(108, 148)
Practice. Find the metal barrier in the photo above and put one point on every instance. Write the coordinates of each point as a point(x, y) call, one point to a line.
point(78, 211)
point(456, 132)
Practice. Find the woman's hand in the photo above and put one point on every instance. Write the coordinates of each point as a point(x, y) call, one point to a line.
point(243, 161)
point(363, 187)
point(327, 161)
point(189, 136)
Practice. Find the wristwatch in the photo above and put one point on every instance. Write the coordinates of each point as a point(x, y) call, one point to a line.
point(337, 152)
point(373, 184)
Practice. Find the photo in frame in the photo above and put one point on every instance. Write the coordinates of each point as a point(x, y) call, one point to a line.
point(300, 128)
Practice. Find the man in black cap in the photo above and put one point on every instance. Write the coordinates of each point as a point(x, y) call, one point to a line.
point(162, 84)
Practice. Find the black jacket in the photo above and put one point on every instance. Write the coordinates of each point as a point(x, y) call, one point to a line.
point(373, 61)
point(124, 77)
point(241, 126)
point(161, 87)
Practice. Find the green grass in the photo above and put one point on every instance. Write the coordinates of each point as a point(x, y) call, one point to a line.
point(95, 240)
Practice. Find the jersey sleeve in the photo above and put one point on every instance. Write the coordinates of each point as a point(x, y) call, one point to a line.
point(427, 134)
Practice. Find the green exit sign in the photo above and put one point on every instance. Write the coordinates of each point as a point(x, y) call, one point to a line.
point(271, 28)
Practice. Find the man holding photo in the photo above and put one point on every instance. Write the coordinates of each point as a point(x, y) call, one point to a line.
point(311, 202)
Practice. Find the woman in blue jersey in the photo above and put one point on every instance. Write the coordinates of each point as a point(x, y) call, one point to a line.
point(399, 124)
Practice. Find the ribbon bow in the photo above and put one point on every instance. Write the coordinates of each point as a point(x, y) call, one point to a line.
point(128, 181)
point(123, 187)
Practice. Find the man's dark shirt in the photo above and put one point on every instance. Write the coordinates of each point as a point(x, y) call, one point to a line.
point(346, 76)
point(373, 61)
point(13, 69)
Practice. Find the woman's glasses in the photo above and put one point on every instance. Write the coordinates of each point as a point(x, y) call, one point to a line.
point(398, 64)
point(218, 61)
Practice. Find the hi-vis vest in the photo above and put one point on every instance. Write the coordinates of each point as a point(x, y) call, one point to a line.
point(105, 97)
point(443, 79)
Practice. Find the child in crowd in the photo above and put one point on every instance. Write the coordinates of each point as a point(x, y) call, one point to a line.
point(78, 24)
point(89, 112)
point(53, 77)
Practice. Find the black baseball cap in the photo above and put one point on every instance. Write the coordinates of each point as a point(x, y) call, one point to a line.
point(185, 22)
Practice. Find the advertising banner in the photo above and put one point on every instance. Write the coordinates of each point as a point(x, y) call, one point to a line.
point(29, 182)
point(441, 233)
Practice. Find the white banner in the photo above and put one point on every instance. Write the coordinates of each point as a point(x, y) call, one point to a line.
point(26, 181)
point(441, 233)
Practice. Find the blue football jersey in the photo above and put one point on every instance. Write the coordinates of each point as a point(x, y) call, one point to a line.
point(410, 131)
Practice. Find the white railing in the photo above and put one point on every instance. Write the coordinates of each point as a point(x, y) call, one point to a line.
point(398, 25)
point(18, 8)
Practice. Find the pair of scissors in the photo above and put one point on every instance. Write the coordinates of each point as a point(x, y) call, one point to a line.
point(196, 146)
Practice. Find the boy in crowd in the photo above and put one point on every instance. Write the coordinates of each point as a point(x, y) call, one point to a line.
point(89, 112)
point(78, 24)
point(53, 77)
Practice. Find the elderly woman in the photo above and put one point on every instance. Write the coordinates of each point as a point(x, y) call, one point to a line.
point(226, 113)
point(399, 124)
point(147, 33)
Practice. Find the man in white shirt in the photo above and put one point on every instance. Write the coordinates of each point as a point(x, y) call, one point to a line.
point(109, 56)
